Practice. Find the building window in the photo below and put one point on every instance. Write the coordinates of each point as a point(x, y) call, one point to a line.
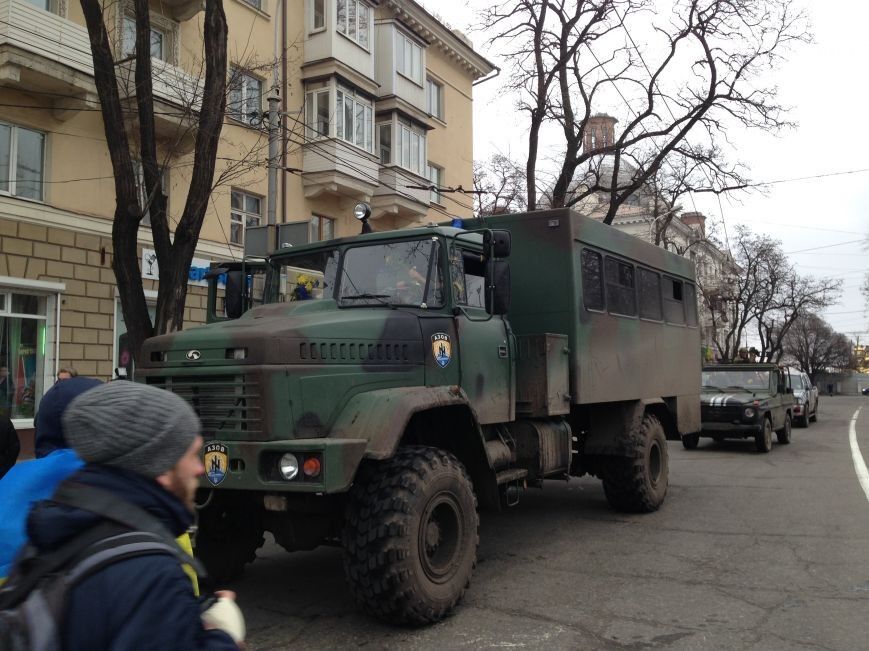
point(159, 40)
point(352, 20)
point(408, 57)
point(355, 119)
point(322, 228)
point(142, 192)
point(257, 4)
point(246, 210)
point(22, 159)
point(434, 98)
point(245, 97)
point(384, 138)
point(435, 174)
point(318, 17)
point(317, 110)
point(23, 346)
point(410, 150)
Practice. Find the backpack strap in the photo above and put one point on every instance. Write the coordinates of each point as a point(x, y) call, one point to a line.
point(103, 503)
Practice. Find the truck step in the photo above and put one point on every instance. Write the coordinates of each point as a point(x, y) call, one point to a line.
point(512, 474)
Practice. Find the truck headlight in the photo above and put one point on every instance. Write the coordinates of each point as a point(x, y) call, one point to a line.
point(288, 466)
point(749, 412)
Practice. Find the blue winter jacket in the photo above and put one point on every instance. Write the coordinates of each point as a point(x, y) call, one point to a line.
point(144, 602)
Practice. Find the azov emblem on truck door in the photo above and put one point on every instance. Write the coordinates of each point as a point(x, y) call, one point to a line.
point(441, 348)
point(216, 461)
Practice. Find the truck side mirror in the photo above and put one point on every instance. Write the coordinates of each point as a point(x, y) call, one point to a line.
point(499, 240)
point(234, 297)
point(498, 274)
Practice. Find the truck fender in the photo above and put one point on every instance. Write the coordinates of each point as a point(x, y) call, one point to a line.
point(610, 424)
point(381, 417)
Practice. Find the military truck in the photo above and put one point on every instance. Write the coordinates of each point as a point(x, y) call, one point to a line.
point(376, 390)
point(745, 400)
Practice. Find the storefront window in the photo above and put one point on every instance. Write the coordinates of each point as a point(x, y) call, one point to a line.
point(22, 353)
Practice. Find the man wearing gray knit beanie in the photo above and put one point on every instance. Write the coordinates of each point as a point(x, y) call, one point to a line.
point(141, 450)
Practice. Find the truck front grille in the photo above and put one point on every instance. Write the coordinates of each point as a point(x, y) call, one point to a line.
point(229, 406)
point(721, 414)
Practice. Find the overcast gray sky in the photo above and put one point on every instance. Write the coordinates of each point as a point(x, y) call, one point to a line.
point(822, 223)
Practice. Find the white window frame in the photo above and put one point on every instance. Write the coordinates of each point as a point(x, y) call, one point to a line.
point(406, 64)
point(166, 27)
point(358, 107)
point(388, 127)
point(410, 148)
point(318, 96)
point(256, 4)
point(435, 174)
point(313, 28)
point(434, 98)
point(241, 218)
point(243, 78)
point(356, 15)
point(316, 230)
point(12, 173)
point(52, 293)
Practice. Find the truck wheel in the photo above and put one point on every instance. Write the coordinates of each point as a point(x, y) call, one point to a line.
point(410, 542)
point(229, 531)
point(691, 441)
point(639, 484)
point(784, 434)
point(763, 440)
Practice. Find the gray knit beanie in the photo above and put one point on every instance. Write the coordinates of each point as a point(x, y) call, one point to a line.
point(131, 426)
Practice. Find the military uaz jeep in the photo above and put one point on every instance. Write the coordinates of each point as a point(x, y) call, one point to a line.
point(375, 390)
point(745, 401)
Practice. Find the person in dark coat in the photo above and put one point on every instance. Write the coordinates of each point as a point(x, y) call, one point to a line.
point(140, 444)
point(10, 446)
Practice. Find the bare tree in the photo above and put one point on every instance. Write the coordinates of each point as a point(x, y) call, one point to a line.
point(174, 252)
point(767, 293)
point(569, 56)
point(499, 186)
point(815, 347)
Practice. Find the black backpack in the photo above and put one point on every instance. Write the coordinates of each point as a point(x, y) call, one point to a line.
point(33, 599)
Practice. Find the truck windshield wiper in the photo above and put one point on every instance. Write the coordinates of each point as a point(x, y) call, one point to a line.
point(353, 297)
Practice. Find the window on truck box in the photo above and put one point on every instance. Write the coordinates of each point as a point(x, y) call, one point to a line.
point(674, 305)
point(621, 294)
point(650, 294)
point(592, 280)
point(690, 304)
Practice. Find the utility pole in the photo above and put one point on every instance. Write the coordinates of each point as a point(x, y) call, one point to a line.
point(274, 135)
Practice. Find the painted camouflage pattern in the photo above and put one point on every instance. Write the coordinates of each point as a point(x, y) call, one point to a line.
point(342, 383)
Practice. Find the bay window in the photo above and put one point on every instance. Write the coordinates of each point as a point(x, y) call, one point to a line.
point(354, 121)
point(408, 57)
point(317, 111)
point(410, 149)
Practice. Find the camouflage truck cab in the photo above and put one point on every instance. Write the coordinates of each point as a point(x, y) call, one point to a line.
point(381, 387)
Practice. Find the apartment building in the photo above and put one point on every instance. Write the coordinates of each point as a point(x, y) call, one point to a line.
point(376, 105)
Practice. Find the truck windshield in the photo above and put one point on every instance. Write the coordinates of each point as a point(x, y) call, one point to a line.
point(734, 379)
point(393, 273)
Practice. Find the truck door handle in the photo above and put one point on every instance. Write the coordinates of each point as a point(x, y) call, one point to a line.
point(502, 351)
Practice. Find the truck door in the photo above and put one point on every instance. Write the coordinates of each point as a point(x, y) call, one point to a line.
point(485, 344)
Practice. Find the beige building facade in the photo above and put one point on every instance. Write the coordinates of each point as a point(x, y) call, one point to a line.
point(376, 105)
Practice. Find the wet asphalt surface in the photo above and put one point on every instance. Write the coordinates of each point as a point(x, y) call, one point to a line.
point(749, 551)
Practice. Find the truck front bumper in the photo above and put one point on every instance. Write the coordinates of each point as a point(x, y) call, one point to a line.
point(255, 465)
point(724, 430)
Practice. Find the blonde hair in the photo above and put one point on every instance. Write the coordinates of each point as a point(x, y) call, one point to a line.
point(71, 371)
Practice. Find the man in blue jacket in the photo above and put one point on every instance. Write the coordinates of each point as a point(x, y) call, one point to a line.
point(141, 445)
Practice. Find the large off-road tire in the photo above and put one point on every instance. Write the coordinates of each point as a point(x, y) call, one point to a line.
point(691, 441)
point(784, 434)
point(410, 539)
point(639, 484)
point(229, 531)
point(763, 440)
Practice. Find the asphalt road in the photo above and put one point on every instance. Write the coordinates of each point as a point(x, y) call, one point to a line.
point(750, 551)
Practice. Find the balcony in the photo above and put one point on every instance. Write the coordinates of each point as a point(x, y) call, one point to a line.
point(393, 198)
point(331, 166)
point(41, 51)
